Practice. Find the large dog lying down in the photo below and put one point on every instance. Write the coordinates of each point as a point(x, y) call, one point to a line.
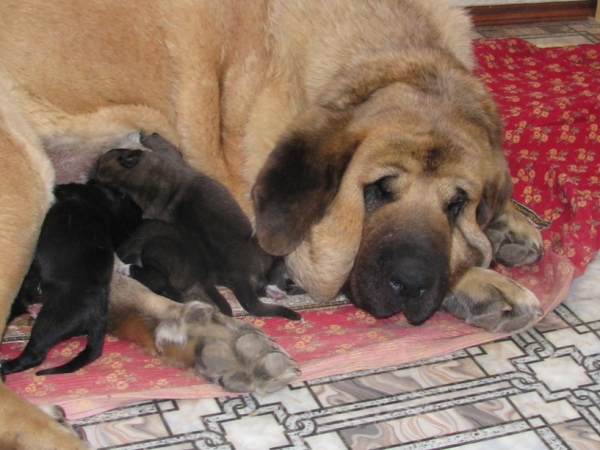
point(358, 142)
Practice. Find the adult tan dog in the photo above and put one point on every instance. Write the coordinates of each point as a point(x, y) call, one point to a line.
point(352, 133)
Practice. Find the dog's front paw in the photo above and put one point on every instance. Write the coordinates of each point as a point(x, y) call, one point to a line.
point(491, 301)
point(515, 241)
point(235, 354)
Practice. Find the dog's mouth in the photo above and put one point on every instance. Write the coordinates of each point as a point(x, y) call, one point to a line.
point(399, 278)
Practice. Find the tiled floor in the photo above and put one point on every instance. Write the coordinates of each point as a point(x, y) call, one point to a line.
point(536, 390)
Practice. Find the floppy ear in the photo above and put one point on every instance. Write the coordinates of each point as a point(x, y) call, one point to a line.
point(300, 179)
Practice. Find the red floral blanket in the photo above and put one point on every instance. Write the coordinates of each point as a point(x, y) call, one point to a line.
point(550, 102)
point(549, 99)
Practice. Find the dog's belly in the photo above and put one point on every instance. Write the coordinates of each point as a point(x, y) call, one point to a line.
point(80, 55)
point(75, 158)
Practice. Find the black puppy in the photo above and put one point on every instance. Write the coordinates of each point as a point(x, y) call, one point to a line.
point(71, 272)
point(200, 237)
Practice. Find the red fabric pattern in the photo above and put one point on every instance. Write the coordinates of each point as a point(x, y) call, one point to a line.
point(550, 102)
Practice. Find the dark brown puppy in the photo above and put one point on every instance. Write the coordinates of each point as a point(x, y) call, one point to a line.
point(71, 272)
point(206, 230)
point(170, 261)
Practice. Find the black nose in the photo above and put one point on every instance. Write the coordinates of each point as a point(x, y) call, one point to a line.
point(410, 274)
point(404, 275)
point(414, 280)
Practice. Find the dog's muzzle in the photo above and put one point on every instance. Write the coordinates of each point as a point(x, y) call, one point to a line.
point(410, 275)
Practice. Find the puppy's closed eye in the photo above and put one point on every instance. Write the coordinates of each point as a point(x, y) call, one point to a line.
point(130, 158)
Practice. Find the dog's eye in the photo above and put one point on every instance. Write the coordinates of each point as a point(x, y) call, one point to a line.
point(377, 193)
point(455, 206)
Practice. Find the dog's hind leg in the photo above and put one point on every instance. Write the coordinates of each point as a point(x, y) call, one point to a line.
point(60, 318)
point(91, 352)
point(26, 427)
point(26, 179)
point(50, 327)
point(233, 353)
point(217, 298)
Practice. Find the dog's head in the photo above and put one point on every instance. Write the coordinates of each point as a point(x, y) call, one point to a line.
point(148, 176)
point(384, 188)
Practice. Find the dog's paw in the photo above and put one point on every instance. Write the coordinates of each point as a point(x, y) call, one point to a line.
point(56, 413)
point(515, 241)
point(274, 292)
point(235, 354)
point(491, 301)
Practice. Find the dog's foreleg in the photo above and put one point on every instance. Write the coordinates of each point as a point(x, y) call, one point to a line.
point(233, 353)
point(492, 301)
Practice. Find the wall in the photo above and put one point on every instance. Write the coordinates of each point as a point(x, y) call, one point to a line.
point(499, 2)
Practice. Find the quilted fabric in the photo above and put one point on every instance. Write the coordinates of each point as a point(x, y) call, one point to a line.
point(549, 101)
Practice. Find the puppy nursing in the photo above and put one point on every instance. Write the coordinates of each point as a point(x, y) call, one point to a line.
point(197, 238)
point(71, 272)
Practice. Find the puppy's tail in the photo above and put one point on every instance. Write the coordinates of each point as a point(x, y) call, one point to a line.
point(91, 352)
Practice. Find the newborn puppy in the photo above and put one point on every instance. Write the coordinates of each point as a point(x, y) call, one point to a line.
point(208, 240)
point(71, 272)
point(170, 261)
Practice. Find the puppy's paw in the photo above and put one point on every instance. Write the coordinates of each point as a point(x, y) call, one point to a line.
point(235, 354)
point(274, 292)
point(34, 310)
point(515, 241)
point(491, 301)
point(120, 267)
point(124, 269)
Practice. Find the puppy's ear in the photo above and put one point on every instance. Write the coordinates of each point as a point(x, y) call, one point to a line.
point(158, 143)
point(129, 158)
point(300, 179)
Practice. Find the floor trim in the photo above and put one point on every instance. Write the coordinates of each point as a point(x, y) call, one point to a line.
point(532, 13)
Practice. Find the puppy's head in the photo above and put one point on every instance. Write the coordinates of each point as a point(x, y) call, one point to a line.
point(385, 187)
point(145, 175)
